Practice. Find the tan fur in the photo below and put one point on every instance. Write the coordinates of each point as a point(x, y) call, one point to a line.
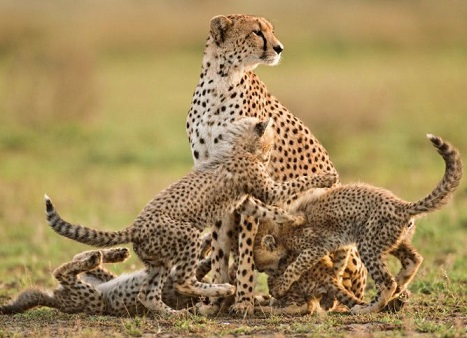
point(165, 235)
point(86, 286)
point(228, 90)
point(373, 218)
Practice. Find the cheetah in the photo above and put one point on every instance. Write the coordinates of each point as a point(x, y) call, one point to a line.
point(373, 218)
point(228, 90)
point(166, 234)
point(85, 285)
point(317, 288)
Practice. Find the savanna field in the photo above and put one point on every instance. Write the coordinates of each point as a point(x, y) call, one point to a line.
point(93, 101)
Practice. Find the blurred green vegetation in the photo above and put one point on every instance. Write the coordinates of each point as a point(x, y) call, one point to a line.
point(93, 100)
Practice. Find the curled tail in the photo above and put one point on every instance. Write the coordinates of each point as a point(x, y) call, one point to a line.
point(29, 299)
point(83, 234)
point(451, 178)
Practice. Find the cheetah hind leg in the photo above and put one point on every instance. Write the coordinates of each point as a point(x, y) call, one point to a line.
point(384, 281)
point(88, 260)
point(410, 261)
point(150, 294)
point(101, 274)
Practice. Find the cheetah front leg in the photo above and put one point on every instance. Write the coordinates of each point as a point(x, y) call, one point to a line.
point(305, 261)
point(245, 279)
point(251, 206)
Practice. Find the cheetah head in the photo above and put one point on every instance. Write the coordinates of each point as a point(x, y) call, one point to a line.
point(250, 135)
point(270, 256)
point(244, 41)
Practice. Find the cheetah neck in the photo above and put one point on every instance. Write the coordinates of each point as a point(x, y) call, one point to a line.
point(224, 93)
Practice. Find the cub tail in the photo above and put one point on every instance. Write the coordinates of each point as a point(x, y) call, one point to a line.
point(29, 299)
point(84, 234)
point(448, 184)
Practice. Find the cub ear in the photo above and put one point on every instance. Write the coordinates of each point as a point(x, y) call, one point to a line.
point(261, 127)
point(269, 243)
point(219, 25)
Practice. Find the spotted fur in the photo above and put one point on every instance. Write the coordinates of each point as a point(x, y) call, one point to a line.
point(228, 90)
point(165, 235)
point(87, 286)
point(373, 218)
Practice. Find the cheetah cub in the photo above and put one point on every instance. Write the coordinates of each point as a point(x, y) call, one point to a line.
point(317, 289)
point(87, 286)
point(166, 234)
point(373, 218)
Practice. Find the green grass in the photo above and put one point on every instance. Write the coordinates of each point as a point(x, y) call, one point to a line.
point(93, 107)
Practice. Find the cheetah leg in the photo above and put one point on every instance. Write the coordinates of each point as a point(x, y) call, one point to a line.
point(150, 294)
point(244, 300)
point(188, 284)
point(340, 259)
point(305, 261)
point(293, 303)
point(251, 206)
point(67, 273)
point(281, 191)
point(410, 261)
point(222, 240)
point(79, 290)
point(344, 296)
point(101, 274)
point(384, 281)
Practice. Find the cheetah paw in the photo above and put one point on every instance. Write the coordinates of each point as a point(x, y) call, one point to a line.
point(242, 308)
point(398, 302)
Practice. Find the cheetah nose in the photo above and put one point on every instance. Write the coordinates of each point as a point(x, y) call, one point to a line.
point(278, 49)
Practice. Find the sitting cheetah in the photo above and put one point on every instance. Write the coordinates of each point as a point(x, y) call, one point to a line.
point(229, 90)
point(86, 286)
point(166, 233)
point(373, 218)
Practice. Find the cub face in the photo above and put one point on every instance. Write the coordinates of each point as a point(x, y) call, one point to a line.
point(246, 40)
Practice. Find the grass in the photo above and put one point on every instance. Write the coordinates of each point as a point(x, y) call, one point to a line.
point(92, 112)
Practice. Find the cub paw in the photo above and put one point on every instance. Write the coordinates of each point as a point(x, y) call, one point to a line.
point(398, 302)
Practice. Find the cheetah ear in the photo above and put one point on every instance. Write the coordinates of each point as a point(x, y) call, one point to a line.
point(261, 127)
point(219, 25)
point(269, 243)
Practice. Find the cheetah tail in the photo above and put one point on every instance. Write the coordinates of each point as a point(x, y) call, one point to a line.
point(28, 299)
point(84, 234)
point(448, 184)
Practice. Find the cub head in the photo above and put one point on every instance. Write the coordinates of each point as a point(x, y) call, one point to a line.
point(269, 255)
point(244, 40)
point(248, 135)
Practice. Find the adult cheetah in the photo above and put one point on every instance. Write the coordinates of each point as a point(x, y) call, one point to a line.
point(228, 90)
point(166, 234)
point(373, 218)
point(87, 286)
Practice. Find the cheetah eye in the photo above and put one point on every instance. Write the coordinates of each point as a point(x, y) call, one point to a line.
point(259, 33)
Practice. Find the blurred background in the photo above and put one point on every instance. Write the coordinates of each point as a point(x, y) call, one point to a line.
point(94, 96)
